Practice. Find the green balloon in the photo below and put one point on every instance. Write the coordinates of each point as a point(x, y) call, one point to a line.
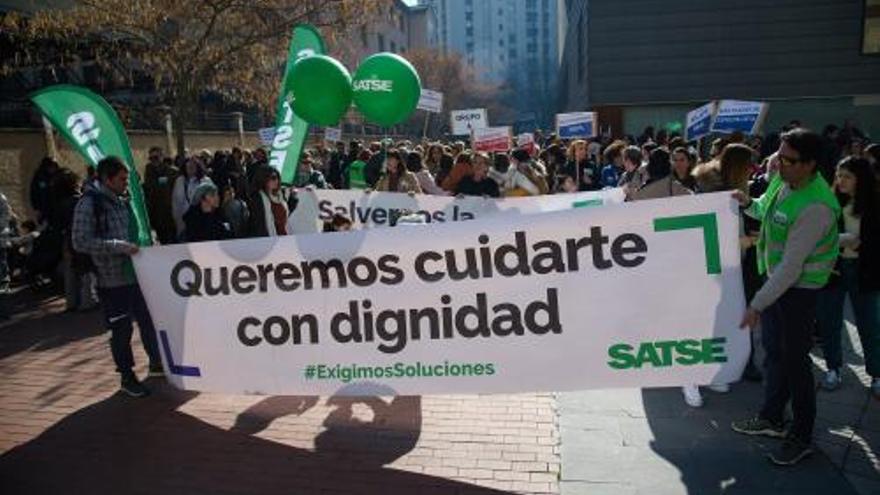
point(321, 89)
point(386, 88)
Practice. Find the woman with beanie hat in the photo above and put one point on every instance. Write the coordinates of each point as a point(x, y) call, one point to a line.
point(204, 220)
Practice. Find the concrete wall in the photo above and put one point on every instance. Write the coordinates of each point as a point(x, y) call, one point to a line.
point(21, 152)
point(656, 51)
point(651, 53)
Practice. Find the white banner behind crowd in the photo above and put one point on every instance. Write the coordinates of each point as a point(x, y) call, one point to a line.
point(378, 209)
point(637, 295)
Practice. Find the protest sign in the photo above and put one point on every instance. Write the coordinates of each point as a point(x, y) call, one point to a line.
point(565, 300)
point(332, 134)
point(490, 139)
point(698, 121)
point(431, 101)
point(462, 121)
point(381, 209)
point(742, 116)
point(267, 135)
point(576, 125)
point(526, 140)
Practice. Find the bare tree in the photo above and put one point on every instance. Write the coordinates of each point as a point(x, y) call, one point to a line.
point(233, 48)
point(461, 88)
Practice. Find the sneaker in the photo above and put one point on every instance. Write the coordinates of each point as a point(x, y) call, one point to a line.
point(131, 386)
point(831, 380)
point(875, 388)
point(156, 371)
point(692, 395)
point(720, 388)
point(758, 426)
point(790, 452)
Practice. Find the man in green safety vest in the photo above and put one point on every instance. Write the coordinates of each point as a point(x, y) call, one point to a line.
point(797, 249)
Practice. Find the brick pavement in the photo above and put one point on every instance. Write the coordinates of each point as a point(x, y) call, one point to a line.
point(64, 429)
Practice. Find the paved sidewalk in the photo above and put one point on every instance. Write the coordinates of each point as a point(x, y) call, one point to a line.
point(626, 442)
point(64, 429)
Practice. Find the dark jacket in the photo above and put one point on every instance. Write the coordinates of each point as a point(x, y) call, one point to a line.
point(201, 226)
point(582, 173)
point(373, 170)
point(869, 250)
point(41, 195)
point(158, 184)
point(486, 187)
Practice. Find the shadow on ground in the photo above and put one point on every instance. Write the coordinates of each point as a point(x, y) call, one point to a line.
point(121, 445)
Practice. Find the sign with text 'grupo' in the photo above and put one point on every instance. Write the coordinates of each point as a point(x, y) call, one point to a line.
point(463, 121)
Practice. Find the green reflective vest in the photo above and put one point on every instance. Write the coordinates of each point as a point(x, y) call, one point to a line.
point(777, 217)
point(356, 179)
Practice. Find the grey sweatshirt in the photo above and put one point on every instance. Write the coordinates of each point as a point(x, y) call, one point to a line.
point(810, 227)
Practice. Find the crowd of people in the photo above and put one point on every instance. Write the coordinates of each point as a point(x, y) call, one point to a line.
point(80, 231)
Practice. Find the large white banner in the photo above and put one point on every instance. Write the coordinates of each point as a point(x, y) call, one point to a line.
point(636, 295)
point(381, 209)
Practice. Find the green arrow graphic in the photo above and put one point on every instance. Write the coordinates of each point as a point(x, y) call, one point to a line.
point(705, 221)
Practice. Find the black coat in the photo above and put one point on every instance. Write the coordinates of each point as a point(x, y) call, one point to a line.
point(869, 250)
point(201, 226)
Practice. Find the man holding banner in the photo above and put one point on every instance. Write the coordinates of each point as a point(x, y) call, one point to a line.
point(101, 224)
point(797, 249)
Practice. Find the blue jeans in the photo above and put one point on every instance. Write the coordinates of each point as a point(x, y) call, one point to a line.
point(866, 306)
point(121, 306)
point(786, 332)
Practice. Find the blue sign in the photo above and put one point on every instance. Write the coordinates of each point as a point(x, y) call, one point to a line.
point(576, 125)
point(699, 121)
point(742, 116)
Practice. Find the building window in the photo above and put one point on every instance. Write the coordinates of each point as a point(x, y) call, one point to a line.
point(511, 54)
point(469, 48)
point(469, 32)
point(501, 42)
point(501, 27)
point(381, 42)
point(364, 35)
point(468, 16)
point(871, 28)
point(392, 47)
point(531, 48)
point(469, 3)
point(531, 4)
